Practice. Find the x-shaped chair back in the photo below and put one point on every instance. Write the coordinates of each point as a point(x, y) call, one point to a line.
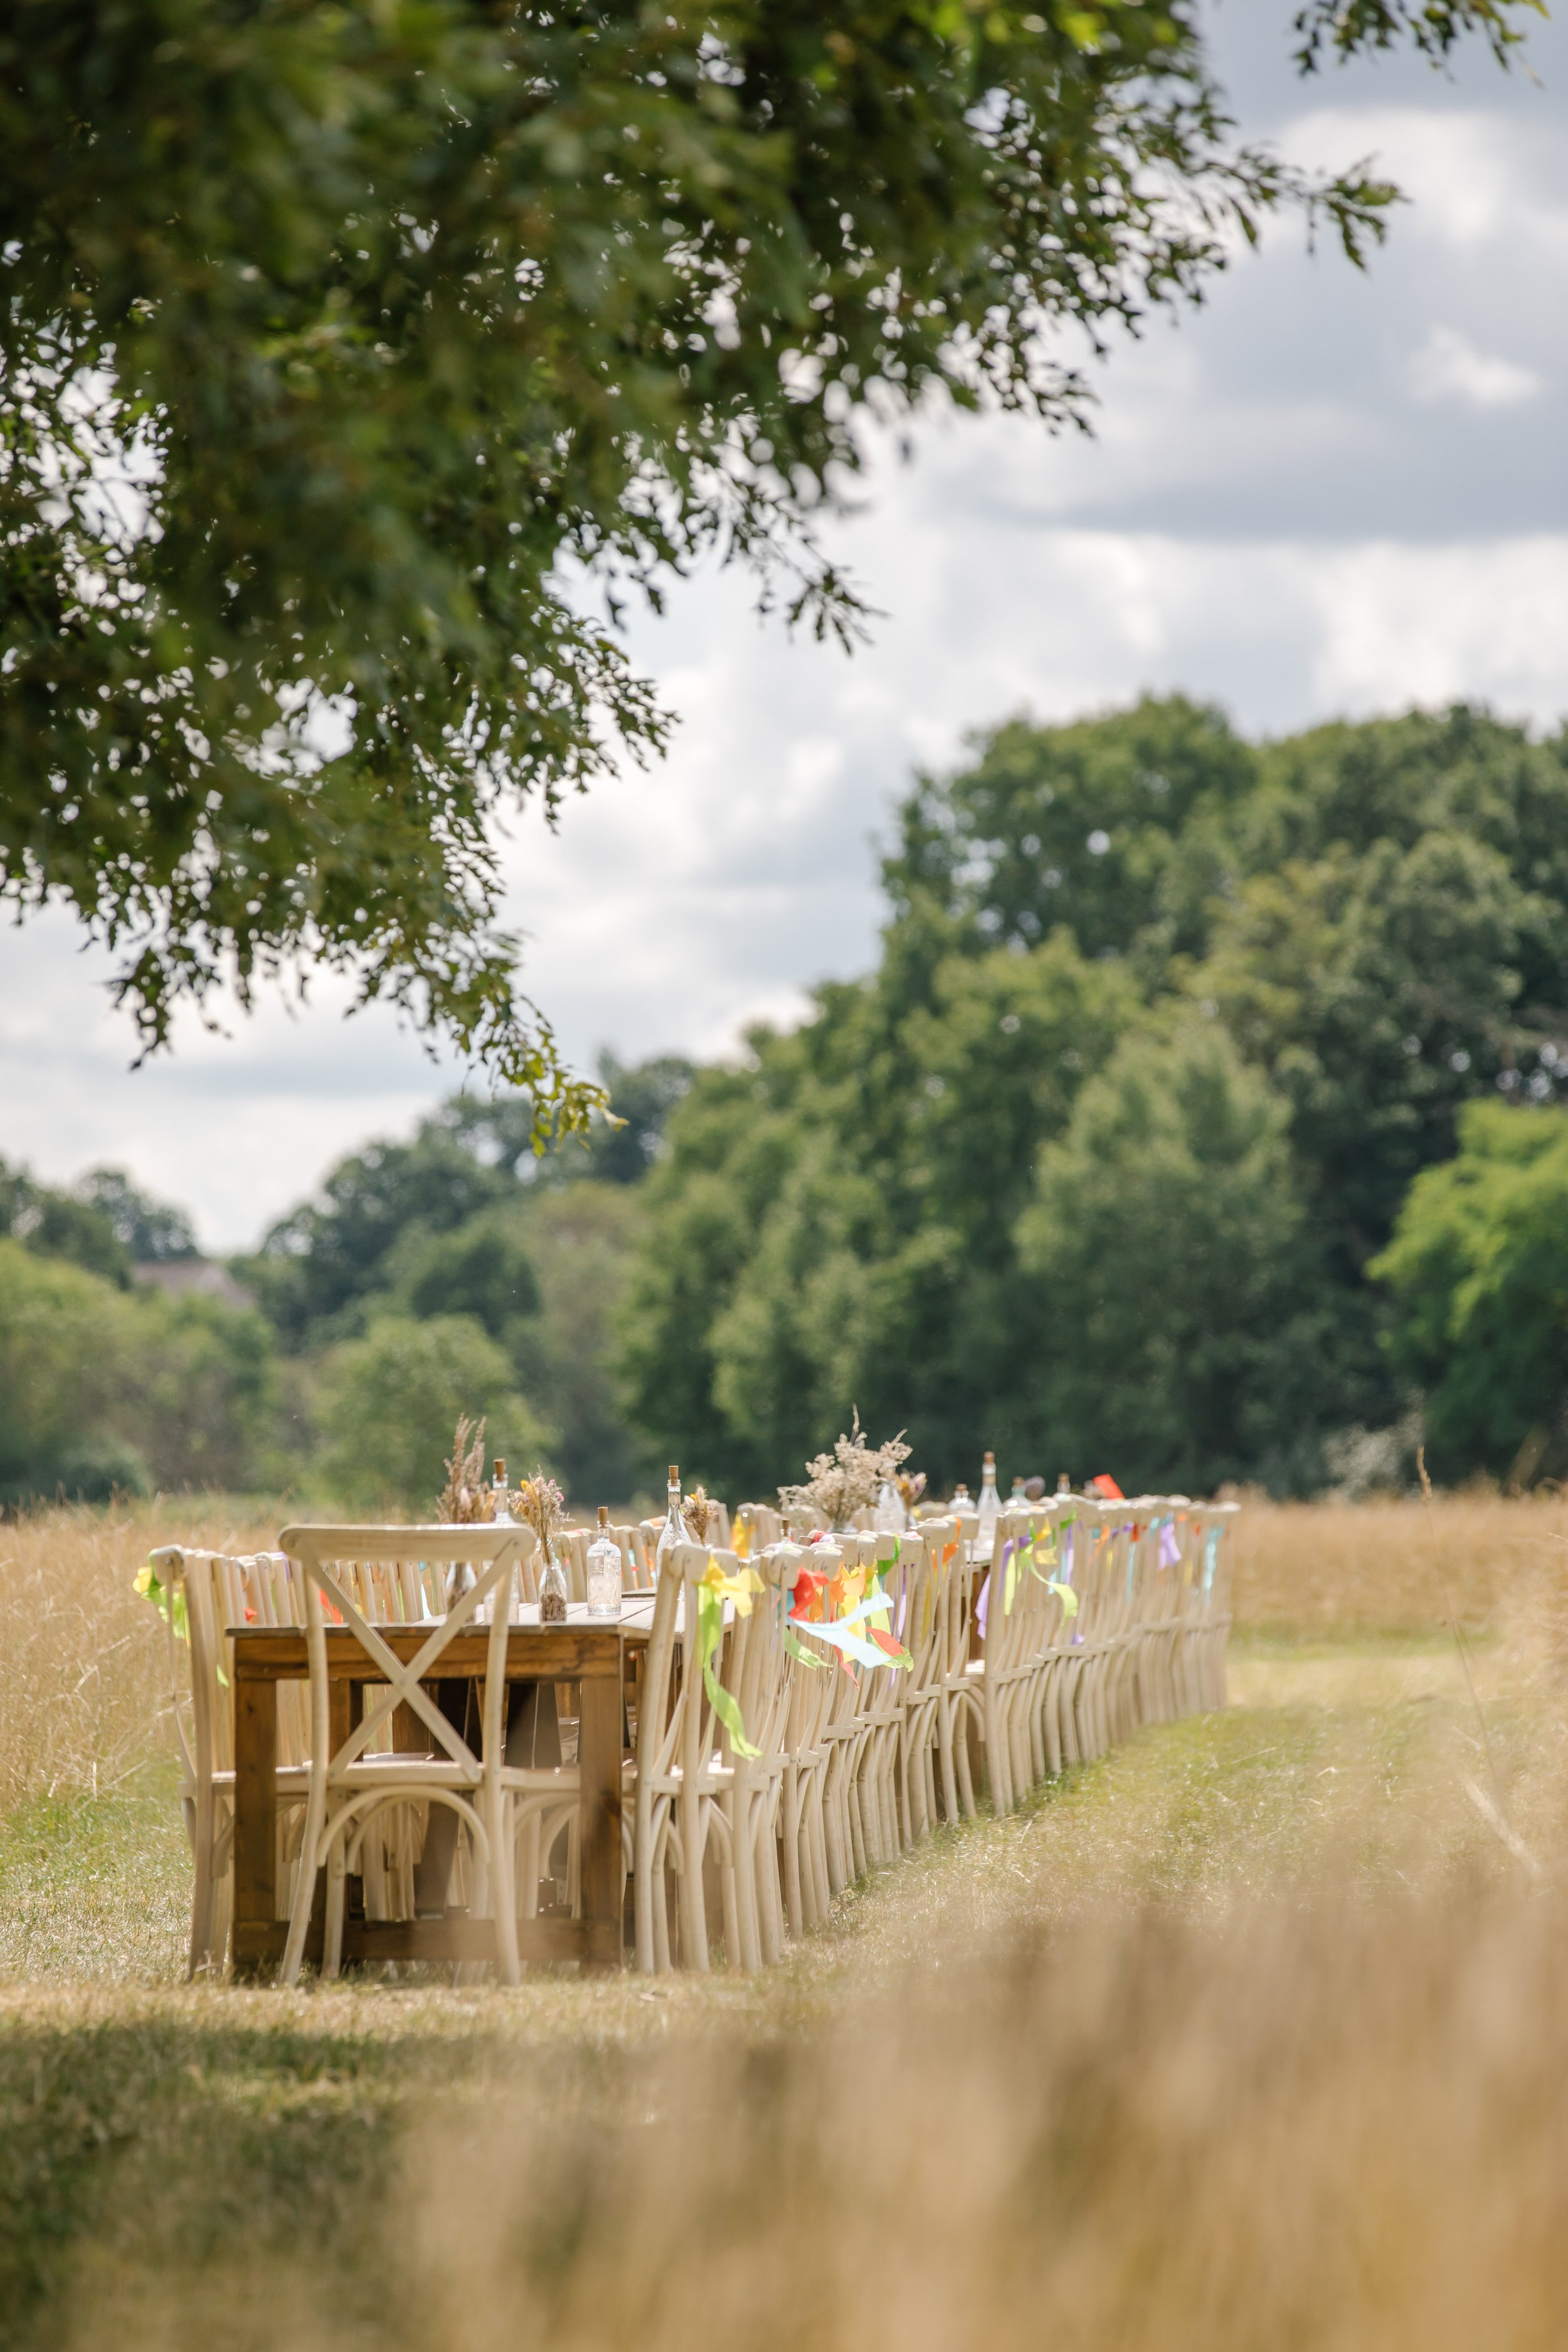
point(493, 1552)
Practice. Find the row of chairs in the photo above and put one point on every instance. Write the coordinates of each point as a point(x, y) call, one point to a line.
point(861, 1689)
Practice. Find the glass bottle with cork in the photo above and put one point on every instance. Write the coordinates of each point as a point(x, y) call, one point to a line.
point(674, 1528)
point(990, 1507)
point(604, 1571)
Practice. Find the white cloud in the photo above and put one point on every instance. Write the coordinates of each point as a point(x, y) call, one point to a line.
point(1449, 367)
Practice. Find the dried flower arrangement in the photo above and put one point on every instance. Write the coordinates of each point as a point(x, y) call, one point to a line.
point(839, 1484)
point(697, 1511)
point(466, 1500)
point(540, 1502)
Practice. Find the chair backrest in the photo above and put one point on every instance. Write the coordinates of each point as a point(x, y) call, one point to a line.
point(342, 1567)
point(919, 1620)
point(222, 1589)
point(637, 1575)
point(747, 1666)
point(763, 1525)
point(572, 1544)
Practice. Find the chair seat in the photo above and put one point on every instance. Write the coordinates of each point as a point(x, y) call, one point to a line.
point(400, 1771)
point(293, 1779)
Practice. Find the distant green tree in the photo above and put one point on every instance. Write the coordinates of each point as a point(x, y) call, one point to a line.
point(1375, 915)
point(54, 1224)
point(388, 1403)
point(1478, 1271)
point(1393, 946)
point(1174, 1344)
point(150, 1232)
point(833, 1226)
point(483, 1267)
point(414, 1220)
point(580, 1238)
point(334, 1251)
point(617, 1146)
point(1119, 829)
point(101, 1387)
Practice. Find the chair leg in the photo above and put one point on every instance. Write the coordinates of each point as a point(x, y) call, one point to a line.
point(791, 1811)
point(305, 1871)
point(502, 1830)
point(946, 1710)
point(203, 1834)
point(694, 1919)
point(337, 1896)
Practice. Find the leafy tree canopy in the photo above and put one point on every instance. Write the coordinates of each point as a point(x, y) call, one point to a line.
point(342, 345)
point(1478, 1270)
point(150, 1231)
point(431, 1224)
point(1371, 922)
point(102, 1221)
point(1163, 1237)
point(103, 1388)
point(388, 1401)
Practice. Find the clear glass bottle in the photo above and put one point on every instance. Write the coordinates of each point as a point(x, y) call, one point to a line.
point(500, 1510)
point(990, 1507)
point(1017, 1499)
point(552, 1589)
point(889, 1516)
point(674, 1528)
point(604, 1571)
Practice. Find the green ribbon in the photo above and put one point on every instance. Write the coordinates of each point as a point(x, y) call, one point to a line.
point(169, 1601)
point(1064, 1592)
point(709, 1634)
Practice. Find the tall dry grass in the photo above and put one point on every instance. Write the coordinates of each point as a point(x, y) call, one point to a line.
point(1253, 2035)
point(1303, 2090)
point(1341, 2129)
point(84, 1673)
point(1394, 1566)
point(84, 1676)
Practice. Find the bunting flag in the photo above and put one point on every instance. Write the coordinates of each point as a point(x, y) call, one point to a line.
point(713, 1588)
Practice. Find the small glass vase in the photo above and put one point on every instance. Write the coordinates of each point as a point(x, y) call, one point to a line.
point(552, 1589)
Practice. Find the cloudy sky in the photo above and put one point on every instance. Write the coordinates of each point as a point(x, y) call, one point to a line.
point(1324, 494)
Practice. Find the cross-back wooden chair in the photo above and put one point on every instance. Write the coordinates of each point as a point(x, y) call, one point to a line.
point(919, 1624)
point(695, 1809)
point(1016, 1607)
point(220, 1590)
point(343, 1569)
point(803, 1856)
point(873, 1790)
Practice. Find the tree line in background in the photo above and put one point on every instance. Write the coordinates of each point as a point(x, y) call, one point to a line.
point(1200, 1121)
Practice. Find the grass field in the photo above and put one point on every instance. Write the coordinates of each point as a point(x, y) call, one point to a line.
point(1253, 2035)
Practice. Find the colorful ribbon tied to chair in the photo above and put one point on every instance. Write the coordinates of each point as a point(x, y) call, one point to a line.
point(168, 1600)
point(713, 1588)
point(853, 1634)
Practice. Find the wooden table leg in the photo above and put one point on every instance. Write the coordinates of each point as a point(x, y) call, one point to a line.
point(255, 1818)
point(599, 1764)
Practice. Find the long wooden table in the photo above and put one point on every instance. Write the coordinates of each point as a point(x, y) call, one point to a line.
point(591, 1654)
